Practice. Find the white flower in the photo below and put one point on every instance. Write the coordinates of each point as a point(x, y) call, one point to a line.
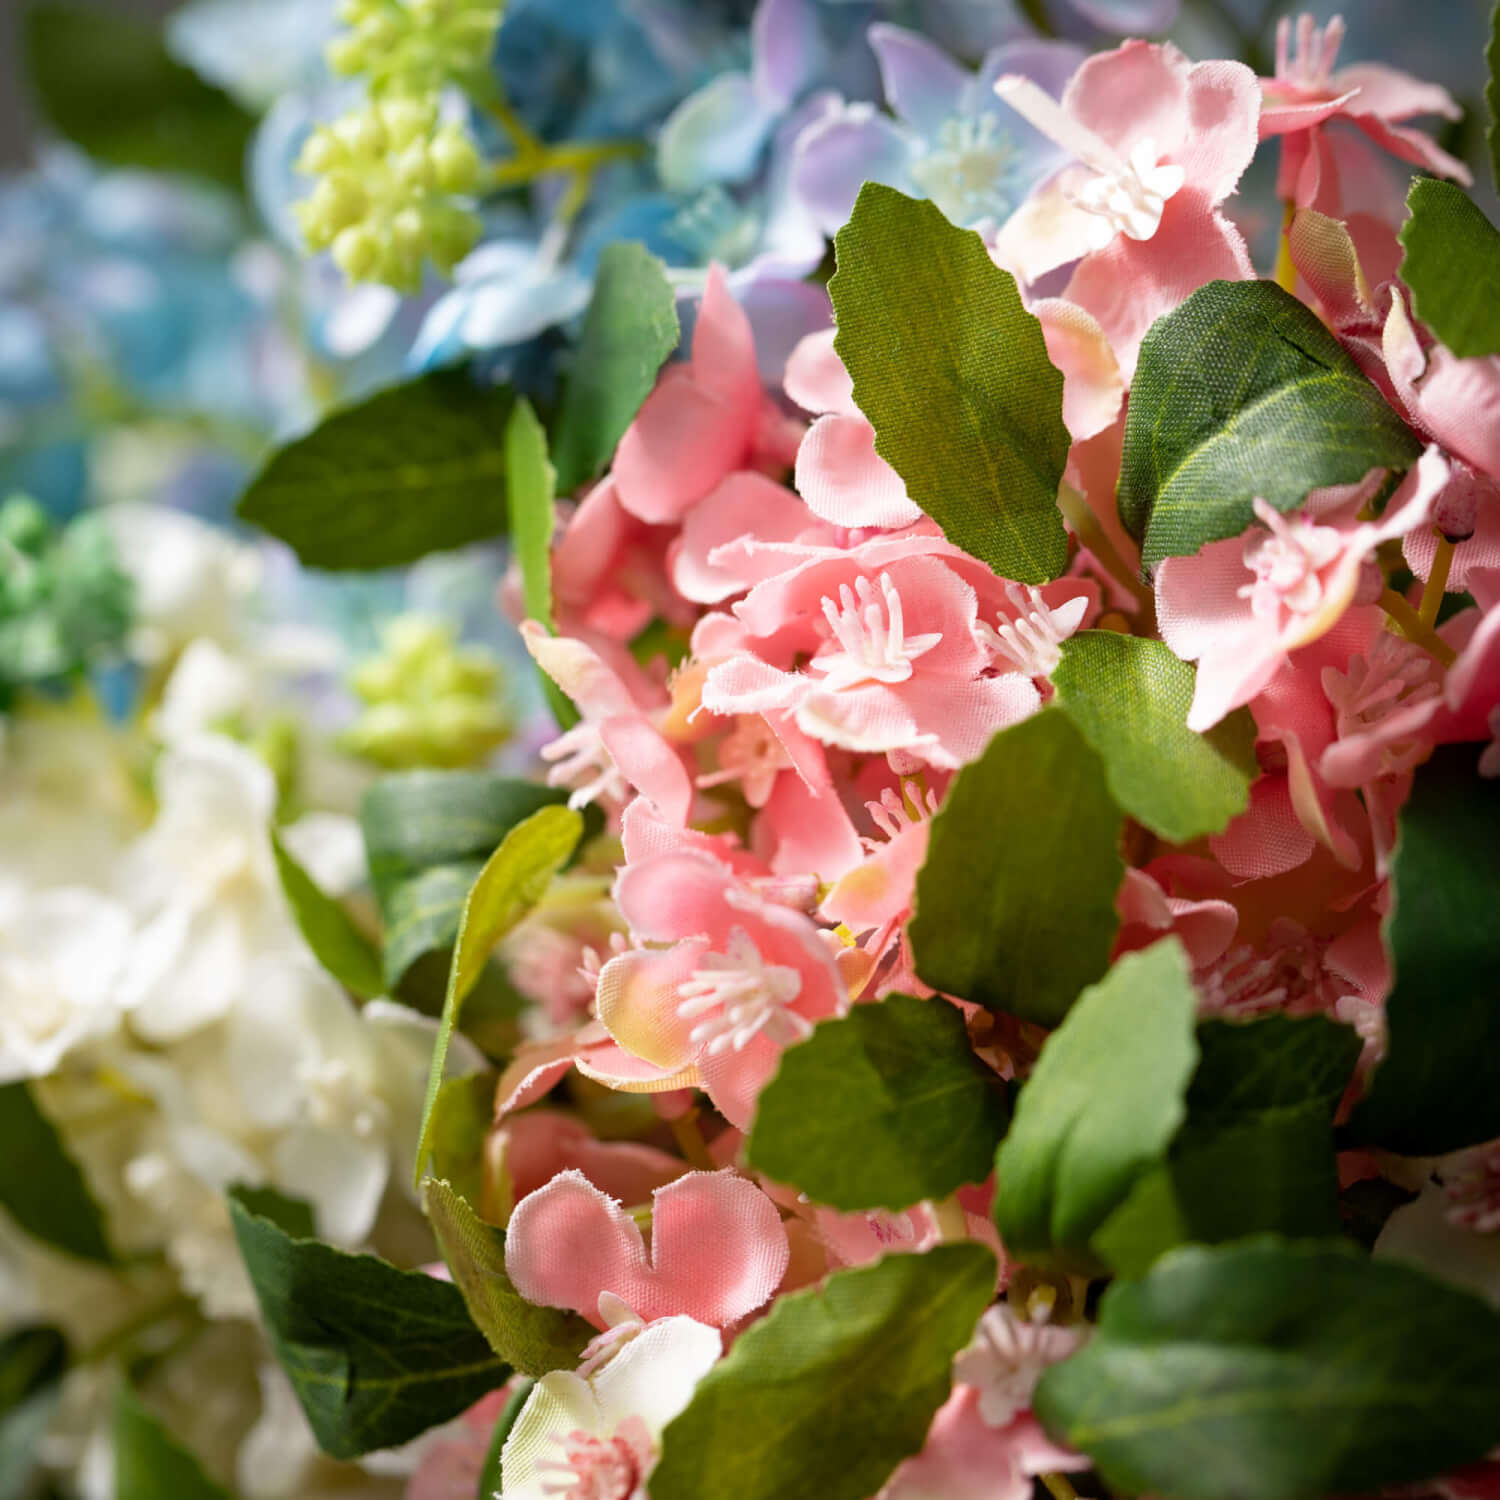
point(1006, 1358)
point(208, 688)
point(61, 956)
point(577, 1439)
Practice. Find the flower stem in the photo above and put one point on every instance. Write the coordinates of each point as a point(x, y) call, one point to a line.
point(691, 1143)
point(1437, 582)
point(1286, 267)
point(1078, 514)
point(949, 1215)
point(578, 157)
point(1413, 628)
point(1059, 1486)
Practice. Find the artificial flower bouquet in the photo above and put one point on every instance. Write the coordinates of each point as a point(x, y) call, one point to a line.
point(986, 981)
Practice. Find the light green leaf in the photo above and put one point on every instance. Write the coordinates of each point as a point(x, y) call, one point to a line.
point(1099, 1110)
point(1016, 902)
point(1452, 265)
point(332, 934)
point(33, 1361)
point(41, 1188)
point(628, 333)
point(375, 1355)
point(829, 1391)
point(150, 1464)
point(1129, 698)
point(1257, 1151)
point(106, 82)
point(513, 880)
point(462, 1119)
point(953, 373)
point(1439, 1086)
point(417, 468)
point(1241, 392)
point(1272, 1371)
point(531, 1339)
point(881, 1109)
point(427, 836)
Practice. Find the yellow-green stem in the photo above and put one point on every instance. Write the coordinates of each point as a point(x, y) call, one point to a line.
point(949, 1215)
point(1080, 516)
point(1286, 268)
point(691, 1143)
point(578, 157)
point(1414, 630)
point(1059, 1486)
point(1437, 582)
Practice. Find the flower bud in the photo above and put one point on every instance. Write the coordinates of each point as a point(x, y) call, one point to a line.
point(454, 160)
point(357, 252)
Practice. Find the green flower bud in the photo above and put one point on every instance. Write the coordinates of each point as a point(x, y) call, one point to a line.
point(406, 120)
point(357, 251)
point(361, 134)
point(454, 160)
point(346, 56)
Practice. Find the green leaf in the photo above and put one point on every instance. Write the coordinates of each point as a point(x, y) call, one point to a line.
point(531, 1339)
point(1257, 1151)
point(1452, 265)
point(829, 1391)
point(1129, 698)
point(375, 1355)
point(41, 1187)
point(1439, 1086)
point(881, 1109)
point(1241, 392)
point(1016, 903)
point(427, 836)
point(462, 1119)
point(953, 373)
point(150, 1463)
point(33, 1361)
point(107, 83)
point(1271, 1371)
point(417, 468)
point(1099, 1110)
point(332, 934)
point(628, 333)
point(513, 880)
point(294, 1215)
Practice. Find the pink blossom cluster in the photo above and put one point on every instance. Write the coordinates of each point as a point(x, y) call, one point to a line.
point(840, 661)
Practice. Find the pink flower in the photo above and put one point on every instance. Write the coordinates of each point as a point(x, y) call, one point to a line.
point(743, 978)
point(1147, 913)
point(453, 1460)
point(877, 649)
point(717, 1250)
point(1239, 606)
point(706, 418)
point(614, 746)
point(1306, 93)
point(1160, 144)
point(839, 473)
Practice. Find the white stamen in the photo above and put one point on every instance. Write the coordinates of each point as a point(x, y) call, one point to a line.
point(872, 631)
point(1317, 50)
point(1032, 642)
point(581, 760)
point(739, 996)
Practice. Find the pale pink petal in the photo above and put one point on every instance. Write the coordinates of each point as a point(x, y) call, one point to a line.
point(879, 889)
point(744, 685)
point(1048, 230)
point(844, 480)
point(724, 346)
point(1414, 146)
point(580, 672)
point(1137, 92)
point(1093, 388)
point(743, 503)
point(649, 764)
point(539, 1144)
point(639, 1002)
point(1267, 838)
point(806, 831)
point(1393, 95)
point(1288, 115)
point(816, 378)
point(1223, 106)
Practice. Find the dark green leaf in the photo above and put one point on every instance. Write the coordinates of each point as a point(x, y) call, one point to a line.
point(513, 880)
point(1452, 265)
point(375, 1355)
point(629, 331)
point(1099, 1110)
point(41, 1187)
point(1016, 902)
point(106, 82)
point(1439, 1086)
point(150, 1464)
point(1129, 698)
point(1242, 392)
point(427, 835)
point(418, 468)
point(332, 934)
point(881, 1109)
point(1270, 1371)
point(833, 1387)
point(532, 1339)
point(1256, 1153)
point(294, 1215)
point(33, 1361)
point(953, 373)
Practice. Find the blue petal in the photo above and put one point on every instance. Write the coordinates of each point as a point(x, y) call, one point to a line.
point(715, 135)
point(922, 83)
point(838, 156)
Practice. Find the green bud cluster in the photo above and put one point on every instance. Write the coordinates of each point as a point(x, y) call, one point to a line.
point(428, 701)
point(414, 46)
point(389, 174)
point(63, 598)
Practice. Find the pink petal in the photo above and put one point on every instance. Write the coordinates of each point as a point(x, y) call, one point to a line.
point(1393, 95)
point(1414, 146)
point(844, 480)
point(816, 378)
point(807, 831)
point(743, 503)
point(1223, 115)
point(649, 764)
point(1267, 838)
point(638, 1002)
point(724, 346)
point(1093, 388)
point(580, 672)
point(1136, 92)
point(718, 1250)
point(539, 1144)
